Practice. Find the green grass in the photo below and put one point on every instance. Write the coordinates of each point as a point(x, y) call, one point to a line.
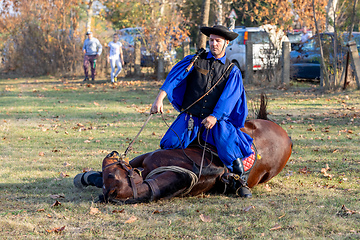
point(51, 129)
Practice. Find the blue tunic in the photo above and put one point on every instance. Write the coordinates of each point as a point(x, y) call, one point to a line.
point(230, 111)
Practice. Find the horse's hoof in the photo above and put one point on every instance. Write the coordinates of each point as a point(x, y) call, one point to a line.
point(244, 192)
point(77, 181)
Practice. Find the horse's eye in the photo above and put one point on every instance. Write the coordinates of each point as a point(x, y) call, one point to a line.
point(111, 175)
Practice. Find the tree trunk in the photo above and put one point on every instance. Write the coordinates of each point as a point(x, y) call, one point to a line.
point(330, 15)
point(326, 74)
point(219, 14)
point(204, 22)
point(89, 16)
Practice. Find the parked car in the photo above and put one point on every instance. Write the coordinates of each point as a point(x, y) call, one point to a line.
point(265, 46)
point(128, 42)
point(130, 31)
point(295, 37)
point(305, 60)
point(148, 59)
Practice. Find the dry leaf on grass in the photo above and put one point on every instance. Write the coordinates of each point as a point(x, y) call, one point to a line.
point(56, 203)
point(205, 218)
point(55, 196)
point(118, 211)
point(276, 227)
point(64, 175)
point(96, 104)
point(157, 211)
point(41, 153)
point(55, 230)
point(66, 164)
point(267, 188)
point(324, 171)
point(131, 219)
point(248, 208)
point(87, 169)
point(41, 210)
point(344, 211)
point(94, 211)
point(304, 170)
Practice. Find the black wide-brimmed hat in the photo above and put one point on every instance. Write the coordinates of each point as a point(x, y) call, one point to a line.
point(220, 31)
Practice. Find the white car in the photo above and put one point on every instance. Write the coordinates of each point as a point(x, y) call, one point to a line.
point(267, 41)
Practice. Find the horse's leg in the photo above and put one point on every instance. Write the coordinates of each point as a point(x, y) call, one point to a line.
point(137, 162)
point(171, 184)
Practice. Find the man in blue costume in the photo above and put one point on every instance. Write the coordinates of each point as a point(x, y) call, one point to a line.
point(210, 94)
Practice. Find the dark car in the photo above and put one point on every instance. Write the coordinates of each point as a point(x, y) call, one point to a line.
point(128, 42)
point(305, 60)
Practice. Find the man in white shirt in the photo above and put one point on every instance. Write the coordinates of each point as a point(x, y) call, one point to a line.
point(115, 57)
point(305, 35)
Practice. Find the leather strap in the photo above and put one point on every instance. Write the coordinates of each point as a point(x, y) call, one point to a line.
point(155, 191)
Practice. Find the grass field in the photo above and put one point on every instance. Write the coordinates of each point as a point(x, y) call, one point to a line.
point(51, 129)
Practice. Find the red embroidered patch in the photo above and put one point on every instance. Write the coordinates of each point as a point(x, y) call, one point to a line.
point(249, 161)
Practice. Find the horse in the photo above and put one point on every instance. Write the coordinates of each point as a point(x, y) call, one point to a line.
point(164, 174)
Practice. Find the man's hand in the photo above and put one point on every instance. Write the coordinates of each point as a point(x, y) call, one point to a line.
point(209, 122)
point(158, 106)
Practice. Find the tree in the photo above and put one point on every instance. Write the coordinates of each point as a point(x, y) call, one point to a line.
point(204, 21)
point(162, 22)
point(40, 36)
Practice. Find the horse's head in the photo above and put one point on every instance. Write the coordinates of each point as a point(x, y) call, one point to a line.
point(119, 178)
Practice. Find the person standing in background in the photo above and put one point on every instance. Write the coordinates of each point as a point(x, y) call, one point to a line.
point(115, 57)
point(305, 35)
point(92, 49)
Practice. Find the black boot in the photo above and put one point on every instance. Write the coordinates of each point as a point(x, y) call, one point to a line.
point(241, 186)
point(91, 178)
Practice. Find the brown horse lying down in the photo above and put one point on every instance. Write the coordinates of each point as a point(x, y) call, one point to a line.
point(169, 173)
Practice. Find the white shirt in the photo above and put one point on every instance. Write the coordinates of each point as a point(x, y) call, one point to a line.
point(115, 49)
point(305, 37)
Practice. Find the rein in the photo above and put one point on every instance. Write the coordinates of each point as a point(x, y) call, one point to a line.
point(132, 142)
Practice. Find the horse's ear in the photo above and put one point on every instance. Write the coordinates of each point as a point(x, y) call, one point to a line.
point(113, 154)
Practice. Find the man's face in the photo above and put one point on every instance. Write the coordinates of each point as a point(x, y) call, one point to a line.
point(217, 47)
point(115, 38)
point(90, 36)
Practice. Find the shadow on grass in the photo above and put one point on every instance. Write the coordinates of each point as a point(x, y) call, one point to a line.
point(46, 191)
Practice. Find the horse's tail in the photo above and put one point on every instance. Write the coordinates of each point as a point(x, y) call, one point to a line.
point(262, 113)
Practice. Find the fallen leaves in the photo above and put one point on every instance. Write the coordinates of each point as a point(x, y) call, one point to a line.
point(325, 170)
point(56, 204)
point(118, 211)
point(267, 188)
point(56, 196)
point(55, 230)
point(304, 170)
point(275, 227)
point(94, 211)
point(344, 211)
point(131, 219)
point(205, 218)
point(246, 209)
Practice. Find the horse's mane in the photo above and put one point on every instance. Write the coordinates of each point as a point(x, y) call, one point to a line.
point(262, 113)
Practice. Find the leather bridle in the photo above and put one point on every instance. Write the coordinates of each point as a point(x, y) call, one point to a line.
point(130, 171)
